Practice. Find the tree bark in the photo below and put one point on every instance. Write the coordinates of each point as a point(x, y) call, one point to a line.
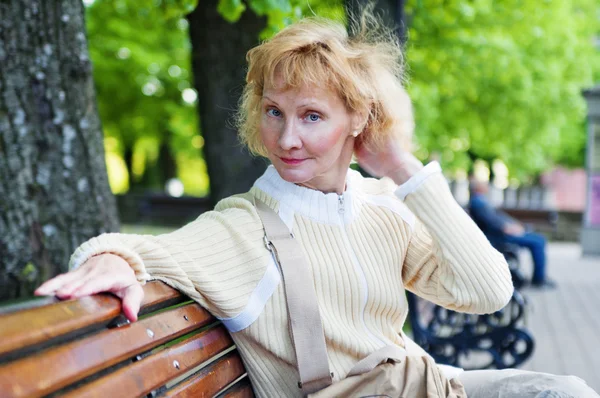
point(54, 191)
point(219, 64)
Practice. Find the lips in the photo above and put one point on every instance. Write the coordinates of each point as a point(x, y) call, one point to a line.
point(291, 161)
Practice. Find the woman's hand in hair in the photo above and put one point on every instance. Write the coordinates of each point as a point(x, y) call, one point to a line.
point(102, 273)
point(390, 161)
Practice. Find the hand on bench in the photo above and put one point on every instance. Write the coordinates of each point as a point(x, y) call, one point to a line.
point(102, 273)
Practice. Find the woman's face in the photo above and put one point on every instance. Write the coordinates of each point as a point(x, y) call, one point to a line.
point(308, 135)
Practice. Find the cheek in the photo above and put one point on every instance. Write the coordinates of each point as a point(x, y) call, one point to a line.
point(327, 143)
point(269, 134)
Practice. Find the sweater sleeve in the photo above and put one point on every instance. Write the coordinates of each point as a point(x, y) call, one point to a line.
point(448, 259)
point(216, 259)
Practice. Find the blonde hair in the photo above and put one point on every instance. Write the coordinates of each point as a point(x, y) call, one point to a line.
point(365, 68)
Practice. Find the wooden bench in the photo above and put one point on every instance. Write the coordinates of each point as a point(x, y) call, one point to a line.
point(86, 348)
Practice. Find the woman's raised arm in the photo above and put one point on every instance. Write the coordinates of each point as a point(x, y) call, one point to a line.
point(449, 261)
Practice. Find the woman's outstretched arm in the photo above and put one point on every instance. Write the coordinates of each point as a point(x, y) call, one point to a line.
point(214, 260)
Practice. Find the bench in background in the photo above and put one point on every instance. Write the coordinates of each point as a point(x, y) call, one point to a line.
point(541, 220)
point(468, 341)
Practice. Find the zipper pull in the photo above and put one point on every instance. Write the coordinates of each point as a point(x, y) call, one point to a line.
point(341, 203)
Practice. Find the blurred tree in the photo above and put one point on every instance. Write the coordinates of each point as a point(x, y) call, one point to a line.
point(490, 80)
point(219, 61)
point(142, 67)
point(141, 56)
point(54, 192)
point(501, 80)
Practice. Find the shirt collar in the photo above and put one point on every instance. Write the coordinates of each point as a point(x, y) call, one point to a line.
point(329, 208)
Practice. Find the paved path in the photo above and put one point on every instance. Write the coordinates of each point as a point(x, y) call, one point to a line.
point(565, 322)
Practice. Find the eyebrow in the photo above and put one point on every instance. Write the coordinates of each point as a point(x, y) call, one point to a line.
point(266, 97)
point(312, 103)
point(303, 105)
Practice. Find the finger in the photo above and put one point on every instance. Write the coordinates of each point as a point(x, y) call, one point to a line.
point(106, 282)
point(132, 300)
point(69, 289)
point(51, 286)
point(96, 284)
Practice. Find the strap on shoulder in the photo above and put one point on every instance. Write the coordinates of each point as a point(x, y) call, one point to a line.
point(305, 320)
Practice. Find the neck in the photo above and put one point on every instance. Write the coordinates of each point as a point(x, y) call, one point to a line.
point(327, 183)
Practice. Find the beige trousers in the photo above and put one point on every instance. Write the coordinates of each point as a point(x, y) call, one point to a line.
point(514, 383)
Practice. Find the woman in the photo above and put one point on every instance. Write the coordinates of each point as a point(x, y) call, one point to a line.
point(314, 97)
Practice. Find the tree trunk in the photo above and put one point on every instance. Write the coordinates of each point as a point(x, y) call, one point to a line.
point(219, 64)
point(54, 191)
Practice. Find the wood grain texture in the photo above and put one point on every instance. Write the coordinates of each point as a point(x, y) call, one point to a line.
point(158, 295)
point(32, 326)
point(57, 367)
point(241, 389)
point(152, 372)
point(210, 380)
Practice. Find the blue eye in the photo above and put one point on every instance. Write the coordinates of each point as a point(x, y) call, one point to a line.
point(273, 112)
point(313, 117)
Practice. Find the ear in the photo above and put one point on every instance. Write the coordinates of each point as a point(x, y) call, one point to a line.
point(359, 121)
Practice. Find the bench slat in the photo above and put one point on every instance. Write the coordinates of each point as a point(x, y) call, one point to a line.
point(241, 389)
point(70, 318)
point(159, 295)
point(212, 379)
point(58, 367)
point(152, 372)
point(23, 329)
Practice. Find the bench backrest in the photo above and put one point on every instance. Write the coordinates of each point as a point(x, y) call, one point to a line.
point(86, 348)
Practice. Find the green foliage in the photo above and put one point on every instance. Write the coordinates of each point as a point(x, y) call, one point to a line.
point(231, 10)
point(280, 13)
point(142, 69)
point(496, 79)
point(502, 79)
point(490, 79)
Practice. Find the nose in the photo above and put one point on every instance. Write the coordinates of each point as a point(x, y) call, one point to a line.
point(289, 137)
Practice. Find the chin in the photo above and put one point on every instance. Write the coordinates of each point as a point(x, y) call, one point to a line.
point(296, 175)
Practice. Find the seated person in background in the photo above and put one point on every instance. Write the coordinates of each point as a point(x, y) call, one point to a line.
point(501, 229)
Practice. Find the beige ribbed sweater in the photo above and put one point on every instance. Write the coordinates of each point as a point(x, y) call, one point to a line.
point(363, 247)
